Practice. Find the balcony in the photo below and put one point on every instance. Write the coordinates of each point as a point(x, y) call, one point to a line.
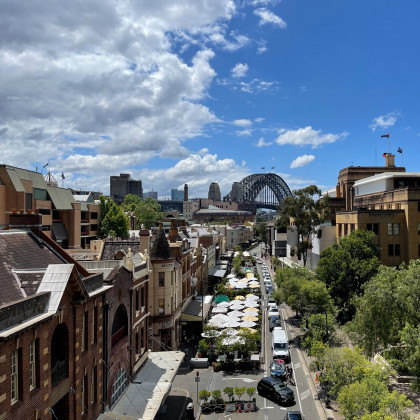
point(59, 372)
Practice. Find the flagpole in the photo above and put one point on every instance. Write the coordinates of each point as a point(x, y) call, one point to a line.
point(389, 142)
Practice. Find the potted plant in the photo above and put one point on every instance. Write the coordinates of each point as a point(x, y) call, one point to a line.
point(205, 395)
point(251, 392)
point(216, 366)
point(229, 392)
point(239, 391)
point(202, 348)
point(217, 400)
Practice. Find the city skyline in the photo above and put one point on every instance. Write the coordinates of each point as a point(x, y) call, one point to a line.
point(178, 93)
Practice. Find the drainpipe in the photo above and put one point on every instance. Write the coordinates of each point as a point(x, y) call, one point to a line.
point(130, 337)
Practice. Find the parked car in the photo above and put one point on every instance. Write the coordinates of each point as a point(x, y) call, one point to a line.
point(271, 303)
point(273, 312)
point(274, 322)
point(294, 415)
point(278, 369)
point(275, 390)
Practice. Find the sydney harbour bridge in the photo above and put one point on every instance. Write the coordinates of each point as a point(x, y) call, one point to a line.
point(266, 190)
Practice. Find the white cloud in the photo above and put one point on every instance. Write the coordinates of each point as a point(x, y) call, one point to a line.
point(259, 120)
point(307, 136)
point(302, 88)
point(302, 161)
point(244, 133)
point(242, 123)
point(384, 121)
point(262, 143)
point(240, 70)
point(266, 16)
point(262, 46)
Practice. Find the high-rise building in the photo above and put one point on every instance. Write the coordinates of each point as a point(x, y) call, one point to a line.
point(177, 195)
point(122, 185)
point(152, 194)
point(214, 192)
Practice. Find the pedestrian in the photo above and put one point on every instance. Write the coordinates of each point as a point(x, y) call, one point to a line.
point(292, 381)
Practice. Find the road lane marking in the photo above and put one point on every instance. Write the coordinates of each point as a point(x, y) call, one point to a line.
point(298, 365)
point(305, 394)
point(240, 379)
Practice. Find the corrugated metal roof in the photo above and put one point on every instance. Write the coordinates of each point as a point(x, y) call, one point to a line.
point(55, 281)
point(62, 198)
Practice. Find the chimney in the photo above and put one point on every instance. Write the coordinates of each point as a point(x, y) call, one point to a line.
point(389, 160)
point(185, 192)
point(173, 233)
point(144, 239)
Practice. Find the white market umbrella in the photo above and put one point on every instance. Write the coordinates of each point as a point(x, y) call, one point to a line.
point(211, 334)
point(255, 286)
point(230, 276)
point(238, 306)
point(216, 323)
point(230, 331)
point(252, 278)
point(219, 310)
point(223, 305)
point(235, 313)
point(228, 341)
point(251, 296)
point(248, 324)
point(220, 317)
point(252, 304)
point(233, 323)
point(241, 285)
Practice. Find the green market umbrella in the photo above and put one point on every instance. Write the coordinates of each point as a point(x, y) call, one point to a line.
point(221, 298)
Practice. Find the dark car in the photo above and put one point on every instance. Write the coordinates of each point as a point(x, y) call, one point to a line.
point(278, 369)
point(294, 415)
point(274, 322)
point(275, 390)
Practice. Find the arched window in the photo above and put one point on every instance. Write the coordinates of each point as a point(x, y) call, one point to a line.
point(59, 354)
point(120, 325)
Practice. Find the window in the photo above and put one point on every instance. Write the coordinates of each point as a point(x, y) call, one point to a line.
point(137, 299)
point(94, 325)
point(94, 215)
point(161, 306)
point(84, 394)
point(390, 250)
point(397, 250)
point(393, 228)
point(32, 365)
point(84, 330)
point(28, 201)
point(93, 386)
point(142, 332)
point(418, 228)
point(373, 227)
point(419, 250)
point(14, 380)
point(161, 279)
point(418, 205)
point(142, 297)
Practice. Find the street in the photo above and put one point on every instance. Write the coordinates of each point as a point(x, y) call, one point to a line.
point(184, 388)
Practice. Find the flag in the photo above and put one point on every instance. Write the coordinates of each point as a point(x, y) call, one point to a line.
point(62, 175)
point(399, 150)
point(385, 154)
point(386, 135)
point(45, 165)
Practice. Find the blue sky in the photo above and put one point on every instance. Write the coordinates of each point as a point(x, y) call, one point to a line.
point(196, 92)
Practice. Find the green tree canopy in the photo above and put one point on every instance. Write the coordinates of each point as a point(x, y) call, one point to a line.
point(261, 231)
point(307, 210)
point(300, 289)
point(148, 212)
point(346, 266)
point(130, 202)
point(113, 220)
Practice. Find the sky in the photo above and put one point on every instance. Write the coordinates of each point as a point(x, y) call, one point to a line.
point(201, 91)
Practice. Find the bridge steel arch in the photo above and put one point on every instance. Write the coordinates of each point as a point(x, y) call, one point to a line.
point(252, 185)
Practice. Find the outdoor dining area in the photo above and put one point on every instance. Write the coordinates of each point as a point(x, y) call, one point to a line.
point(231, 339)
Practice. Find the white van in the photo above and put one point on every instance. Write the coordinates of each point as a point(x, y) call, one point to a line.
point(280, 345)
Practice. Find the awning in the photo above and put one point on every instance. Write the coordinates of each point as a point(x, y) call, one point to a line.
point(218, 271)
point(194, 311)
point(59, 232)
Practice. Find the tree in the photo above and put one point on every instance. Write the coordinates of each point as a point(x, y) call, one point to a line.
point(261, 231)
point(306, 210)
point(130, 202)
point(113, 220)
point(148, 212)
point(346, 266)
